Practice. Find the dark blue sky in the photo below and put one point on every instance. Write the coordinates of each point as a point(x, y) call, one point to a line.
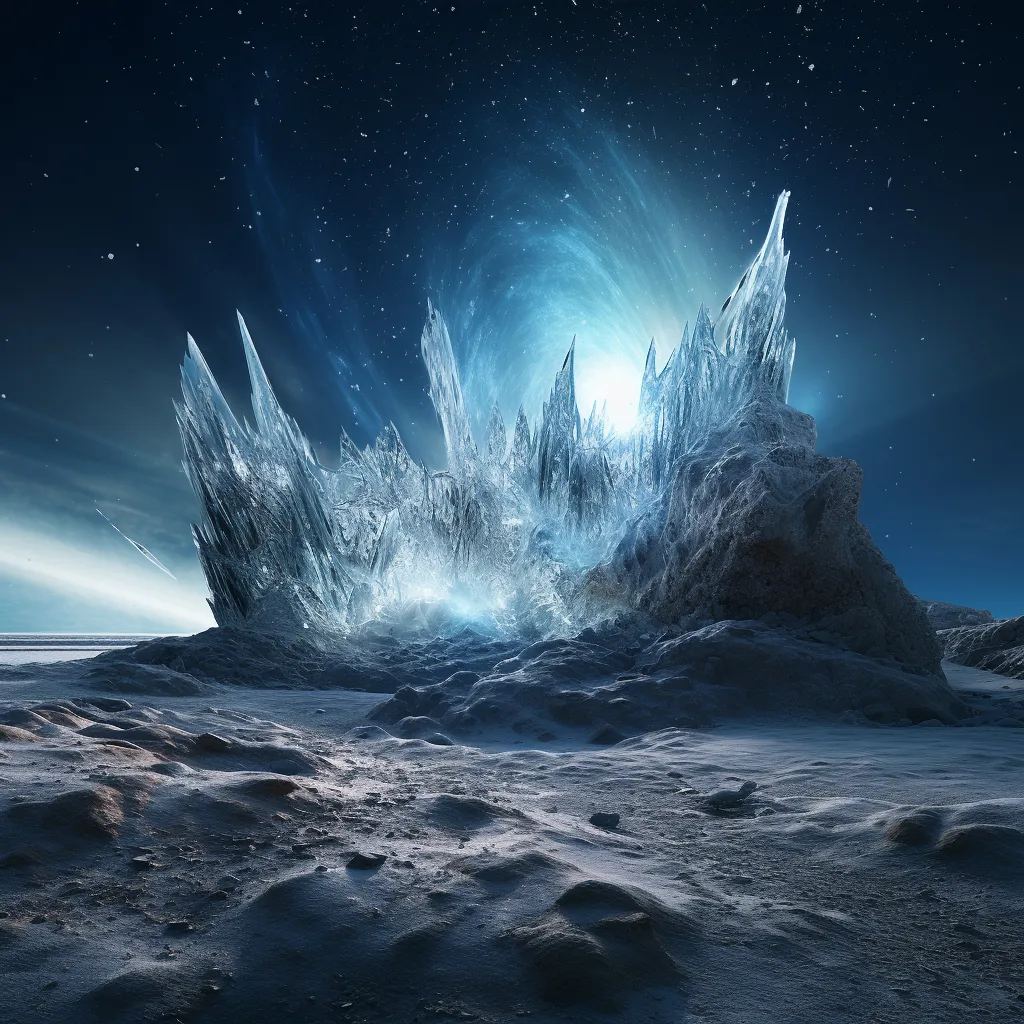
point(327, 168)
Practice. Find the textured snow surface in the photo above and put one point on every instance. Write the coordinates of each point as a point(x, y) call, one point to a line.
point(255, 855)
point(631, 673)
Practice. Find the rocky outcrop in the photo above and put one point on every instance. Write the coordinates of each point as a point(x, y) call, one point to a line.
point(996, 646)
point(756, 522)
point(949, 616)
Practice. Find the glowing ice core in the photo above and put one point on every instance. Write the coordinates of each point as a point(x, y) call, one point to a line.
point(519, 515)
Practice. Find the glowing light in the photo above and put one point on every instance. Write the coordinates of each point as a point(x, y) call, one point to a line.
point(581, 239)
point(612, 379)
point(104, 579)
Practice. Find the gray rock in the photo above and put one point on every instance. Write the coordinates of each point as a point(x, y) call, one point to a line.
point(724, 799)
point(606, 735)
point(417, 727)
point(104, 703)
point(175, 769)
point(604, 819)
point(130, 677)
point(915, 829)
point(439, 739)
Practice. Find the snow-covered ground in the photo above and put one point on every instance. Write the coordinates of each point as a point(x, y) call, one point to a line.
point(192, 858)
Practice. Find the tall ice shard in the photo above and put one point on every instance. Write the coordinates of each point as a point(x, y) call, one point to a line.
point(510, 522)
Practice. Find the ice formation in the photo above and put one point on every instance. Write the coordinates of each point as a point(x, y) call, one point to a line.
point(510, 528)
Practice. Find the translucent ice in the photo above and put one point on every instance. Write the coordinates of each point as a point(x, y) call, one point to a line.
point(507, 530)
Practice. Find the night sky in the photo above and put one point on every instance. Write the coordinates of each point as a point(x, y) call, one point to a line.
point(536, 171)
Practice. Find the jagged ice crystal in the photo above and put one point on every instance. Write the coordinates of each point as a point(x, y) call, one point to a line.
point(509, 529)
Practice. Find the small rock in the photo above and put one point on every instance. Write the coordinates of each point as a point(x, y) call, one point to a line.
point(366, 862)
point(219, 894)
point(179, 927)
point(606, 736)
point(175, 769)
point(271, 786)
point(211, 743)
point(727, 798)
point(142, 863)
point(604, 819)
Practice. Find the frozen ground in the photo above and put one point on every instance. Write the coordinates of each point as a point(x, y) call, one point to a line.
point(191, 858)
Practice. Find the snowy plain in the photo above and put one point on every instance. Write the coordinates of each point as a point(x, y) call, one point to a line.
point(217, 860)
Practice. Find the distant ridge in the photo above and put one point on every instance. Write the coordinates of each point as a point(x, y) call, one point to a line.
point(69, 641)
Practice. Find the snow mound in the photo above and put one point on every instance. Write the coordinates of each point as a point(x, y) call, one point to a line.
point(689, 680)
point(371, 660)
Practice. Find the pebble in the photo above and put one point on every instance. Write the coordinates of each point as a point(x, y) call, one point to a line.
point(365, 862)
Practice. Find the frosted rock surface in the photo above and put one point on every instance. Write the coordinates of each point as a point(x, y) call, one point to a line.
point(995, 646)
point(716, 505)
point(756, 522)
point(948, 616)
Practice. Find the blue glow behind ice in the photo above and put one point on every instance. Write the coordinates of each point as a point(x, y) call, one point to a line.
point(571, 242)
point(520, 512)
